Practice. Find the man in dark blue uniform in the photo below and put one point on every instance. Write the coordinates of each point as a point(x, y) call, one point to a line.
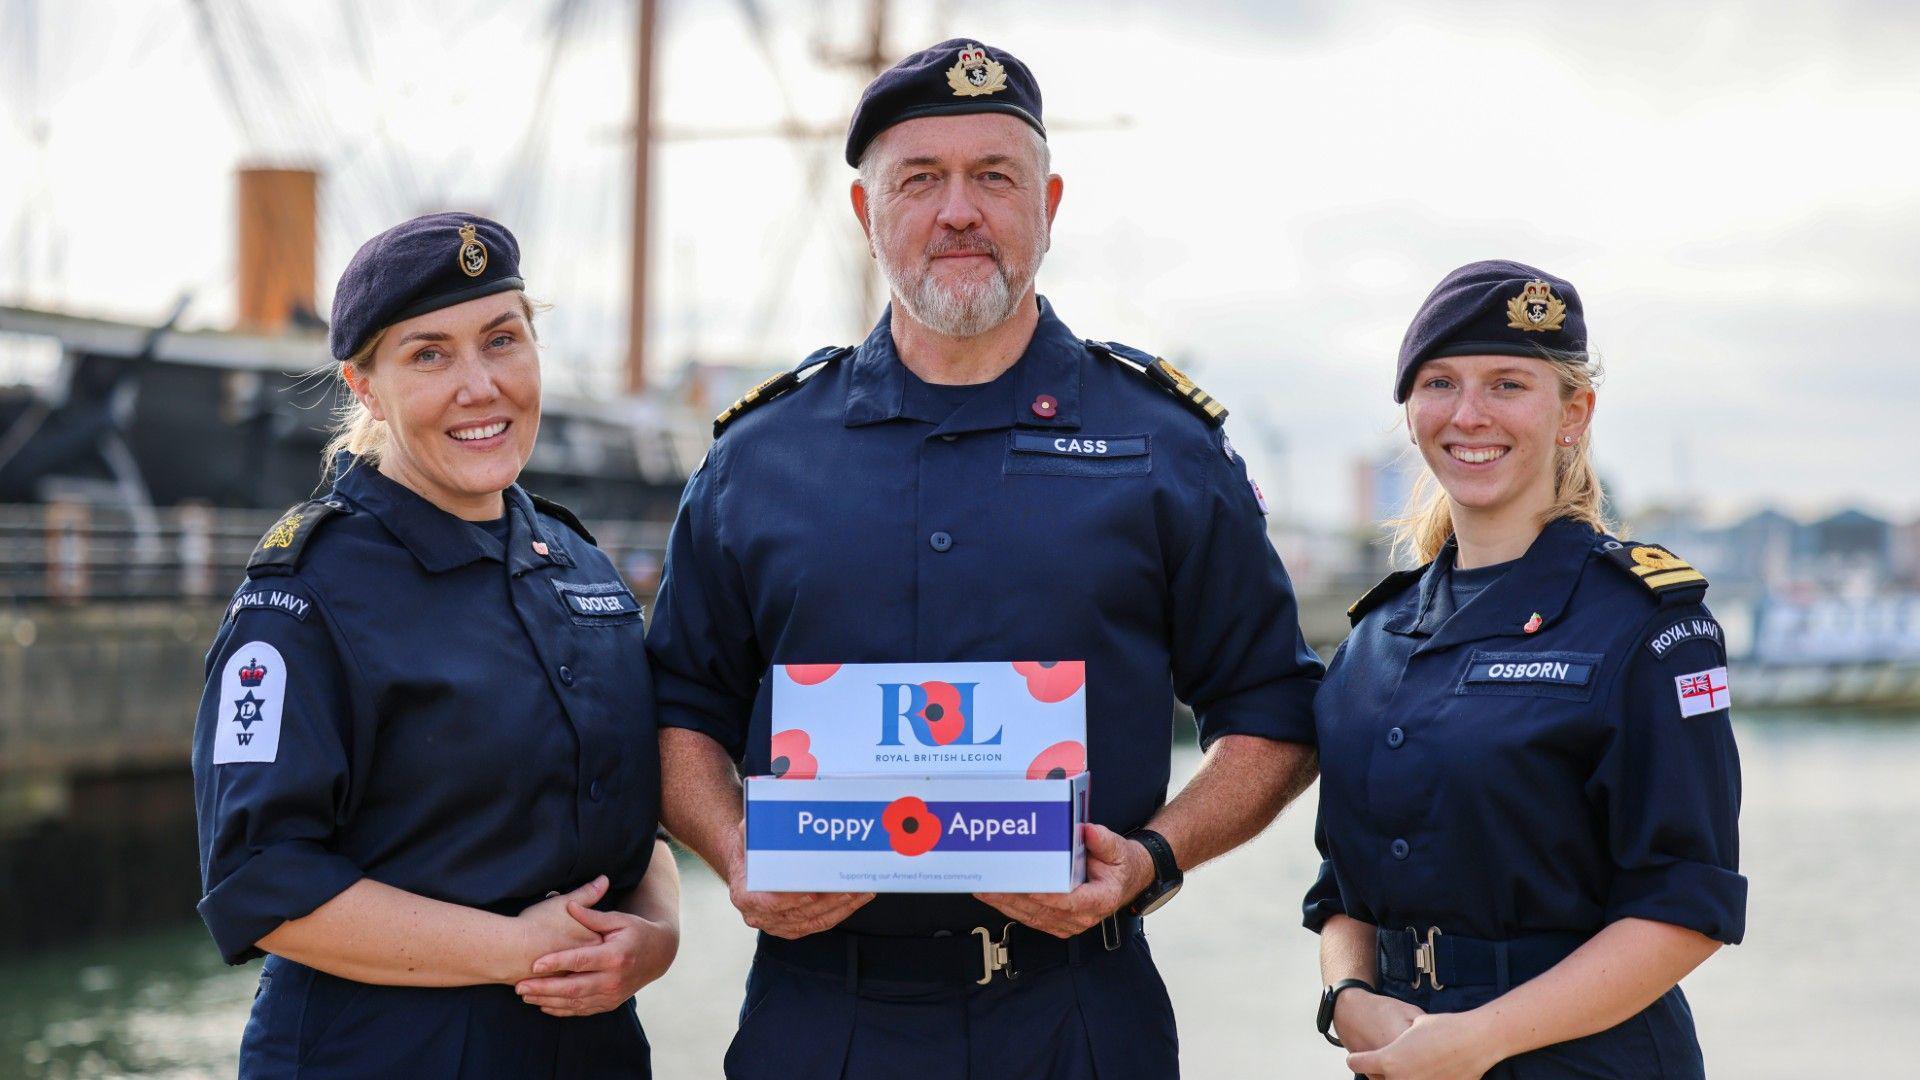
point(974, 482)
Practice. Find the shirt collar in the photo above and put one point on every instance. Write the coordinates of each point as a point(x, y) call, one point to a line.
point(1050, 367)
point(439, 541)
point(1540, 583)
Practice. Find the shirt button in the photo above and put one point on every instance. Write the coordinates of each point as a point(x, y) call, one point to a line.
point(1400, 849)
point(594, 790)
point(940, 541)
point(948, 438)
point(566, 675)
point(1395, 737)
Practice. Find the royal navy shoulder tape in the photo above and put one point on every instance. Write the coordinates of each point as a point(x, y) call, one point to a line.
point(1666, 575)
point(279, 550)
point(1168, 378)
point(775, 386)
point(1390, 586)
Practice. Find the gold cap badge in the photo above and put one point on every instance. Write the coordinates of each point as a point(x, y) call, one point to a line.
point(473, 253)
point(1536, 309)
point(973, 74)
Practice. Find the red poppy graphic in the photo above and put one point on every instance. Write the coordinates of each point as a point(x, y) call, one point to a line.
point(1059, 761)
point(811, 674)
point(791, 761)
point(942, 712)
point(911, 827)
point(1052, 680)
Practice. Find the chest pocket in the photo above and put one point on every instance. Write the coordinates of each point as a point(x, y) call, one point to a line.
point(1067, 454)
point(1569, 676)
point(598, 604)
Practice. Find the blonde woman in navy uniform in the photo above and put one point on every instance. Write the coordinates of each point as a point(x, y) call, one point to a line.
point(1529, 787)
point(425, 762)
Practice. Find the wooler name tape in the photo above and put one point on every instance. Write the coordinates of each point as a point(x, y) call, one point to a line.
point(916, 834)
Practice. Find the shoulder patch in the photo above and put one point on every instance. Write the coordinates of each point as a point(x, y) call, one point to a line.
point(1670, 578)
point(253, 687)
point(1167, 377)
point(1390, 586)
point(773, 387)
point(279, 550)
point(1688, 628)
point(555, 510)
point(253, 597)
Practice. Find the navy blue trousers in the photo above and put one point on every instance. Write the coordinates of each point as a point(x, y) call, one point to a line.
point(314, 1026)
point(1657, 1044)
point(1102, 1016)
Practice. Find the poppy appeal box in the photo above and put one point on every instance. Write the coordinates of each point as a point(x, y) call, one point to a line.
point(949, 777)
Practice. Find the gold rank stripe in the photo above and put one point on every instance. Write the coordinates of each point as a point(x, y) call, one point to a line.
point(746, 399)
point(1669, 577)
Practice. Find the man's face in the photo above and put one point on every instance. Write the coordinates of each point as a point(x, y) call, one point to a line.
point(957, 210)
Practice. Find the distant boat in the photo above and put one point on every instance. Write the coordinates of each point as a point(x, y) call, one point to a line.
point(156, 416)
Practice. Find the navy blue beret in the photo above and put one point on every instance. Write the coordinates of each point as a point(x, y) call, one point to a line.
point(950, 78)
point(428, 263)
point(1494, 307)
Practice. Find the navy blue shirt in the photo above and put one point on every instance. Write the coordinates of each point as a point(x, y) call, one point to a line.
point(1553, 756)
point(849, 521)
point(420, 703)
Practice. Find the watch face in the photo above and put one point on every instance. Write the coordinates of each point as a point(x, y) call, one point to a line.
point(1160, 901)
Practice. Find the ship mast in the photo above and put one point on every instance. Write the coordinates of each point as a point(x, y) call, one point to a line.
point(636, 381)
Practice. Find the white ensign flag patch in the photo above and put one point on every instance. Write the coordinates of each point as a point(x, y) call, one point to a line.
point(253, 686)
point(1703, 691)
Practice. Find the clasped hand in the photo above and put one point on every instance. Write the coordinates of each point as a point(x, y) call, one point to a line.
point(614, 953)
point(1388, 1039)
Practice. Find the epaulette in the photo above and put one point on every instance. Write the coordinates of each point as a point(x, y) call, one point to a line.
point(1670, 578)
point(774, 387)
point(1389, 587)
point(553, 509)
point(1168, 378)
point(279, 550)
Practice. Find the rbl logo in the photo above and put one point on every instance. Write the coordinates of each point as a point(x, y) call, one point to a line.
point(938, 714)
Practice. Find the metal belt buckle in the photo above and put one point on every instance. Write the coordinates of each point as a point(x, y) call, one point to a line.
point(1426, 958)
point(993, 954)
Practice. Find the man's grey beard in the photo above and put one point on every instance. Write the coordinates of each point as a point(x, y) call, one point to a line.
point(967, 311)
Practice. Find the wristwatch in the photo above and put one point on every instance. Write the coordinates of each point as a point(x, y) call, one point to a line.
point(1328, 996)
point(1166, 873)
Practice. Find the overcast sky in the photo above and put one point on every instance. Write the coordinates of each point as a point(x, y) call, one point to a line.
point(1261, 191)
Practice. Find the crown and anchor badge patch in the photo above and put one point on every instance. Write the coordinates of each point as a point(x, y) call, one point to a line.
point(974, 75)
point(1536, 309)
point(473, 253)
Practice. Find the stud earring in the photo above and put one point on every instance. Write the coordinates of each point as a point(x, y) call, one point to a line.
point(1568, 439)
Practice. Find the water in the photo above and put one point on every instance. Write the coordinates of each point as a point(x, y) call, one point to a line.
point(1831, 834)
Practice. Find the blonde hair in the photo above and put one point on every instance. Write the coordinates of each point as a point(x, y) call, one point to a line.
point(1426, 525)
point(355, 429)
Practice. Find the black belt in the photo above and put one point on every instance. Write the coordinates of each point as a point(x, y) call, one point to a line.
point(976, 956)
point(1443, 960)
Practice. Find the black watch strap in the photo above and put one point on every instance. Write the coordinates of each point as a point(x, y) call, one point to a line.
point(1164, 868)
point(1332, 994)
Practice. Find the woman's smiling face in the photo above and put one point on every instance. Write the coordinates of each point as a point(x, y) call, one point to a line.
point(459, 389)
point(1487, 427)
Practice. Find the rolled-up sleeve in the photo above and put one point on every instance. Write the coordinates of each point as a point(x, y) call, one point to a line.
point(1239, 658)
point(707, 664)
point(271, 773)
point(1670, 781)
point(1323, 896)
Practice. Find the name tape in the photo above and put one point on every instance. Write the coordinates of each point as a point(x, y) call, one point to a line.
point(1090, 446)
